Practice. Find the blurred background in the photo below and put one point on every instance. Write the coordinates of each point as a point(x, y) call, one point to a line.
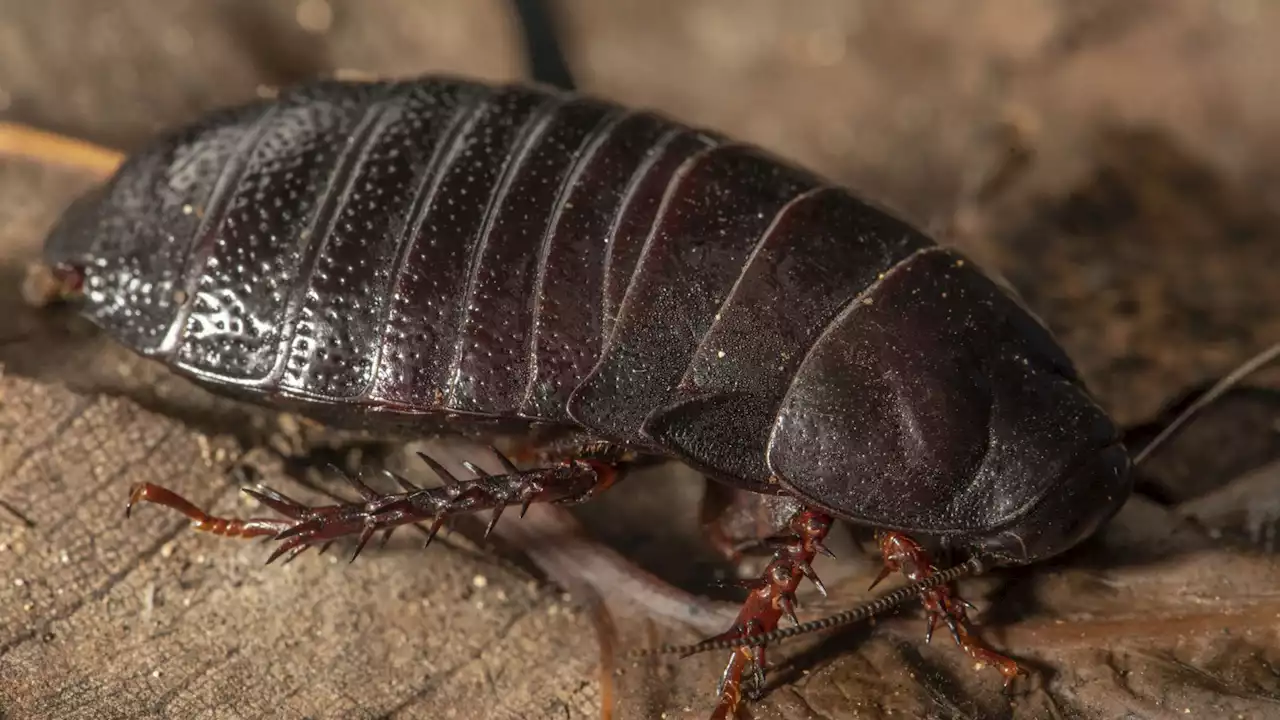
point(1117, 161)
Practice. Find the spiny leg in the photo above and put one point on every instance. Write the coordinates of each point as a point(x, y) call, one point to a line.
point(305, 526)
point(901, 553)
point(772, 596)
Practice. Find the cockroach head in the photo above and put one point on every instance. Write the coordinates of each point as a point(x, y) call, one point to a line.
point(939, 406)
point(1078, 502)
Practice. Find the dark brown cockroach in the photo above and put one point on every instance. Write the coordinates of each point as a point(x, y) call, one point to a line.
point(438, 252)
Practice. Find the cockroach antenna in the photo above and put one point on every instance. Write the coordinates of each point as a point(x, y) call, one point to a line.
point(1259, 361)
point(973, 566)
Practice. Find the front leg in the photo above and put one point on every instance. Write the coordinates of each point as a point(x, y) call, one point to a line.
point(303, 527)
point(901, 553)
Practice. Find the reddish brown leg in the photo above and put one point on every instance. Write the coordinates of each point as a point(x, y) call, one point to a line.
point(303, 527)
point(772, 596)
point(901, 553)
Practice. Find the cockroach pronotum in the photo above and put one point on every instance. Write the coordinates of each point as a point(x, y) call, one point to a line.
point(438, 252)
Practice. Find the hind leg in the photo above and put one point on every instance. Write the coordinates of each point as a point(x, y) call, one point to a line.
point(301, 526)
point(905, 555)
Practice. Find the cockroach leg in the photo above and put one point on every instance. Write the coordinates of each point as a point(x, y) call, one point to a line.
point(772, 597)
point(901, 553)
point(304, 526)
point(146, 492)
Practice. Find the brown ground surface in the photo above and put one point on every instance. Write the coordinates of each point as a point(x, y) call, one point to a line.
point(1143, 223)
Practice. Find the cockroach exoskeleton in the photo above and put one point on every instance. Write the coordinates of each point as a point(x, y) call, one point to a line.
point(438, 251)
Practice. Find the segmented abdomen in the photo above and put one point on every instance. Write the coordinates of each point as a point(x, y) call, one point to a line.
point(442, 245)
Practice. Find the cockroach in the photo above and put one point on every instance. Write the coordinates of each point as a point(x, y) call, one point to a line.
point(438, 252)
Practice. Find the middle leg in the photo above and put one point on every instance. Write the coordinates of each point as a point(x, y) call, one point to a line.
point(736, 521)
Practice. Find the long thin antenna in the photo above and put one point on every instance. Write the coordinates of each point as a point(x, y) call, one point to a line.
point(973, 566)
point(1245, 369)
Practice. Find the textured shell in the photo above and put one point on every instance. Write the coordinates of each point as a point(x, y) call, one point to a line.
point(444, 245)
point(439, 247)
point(406, 247)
